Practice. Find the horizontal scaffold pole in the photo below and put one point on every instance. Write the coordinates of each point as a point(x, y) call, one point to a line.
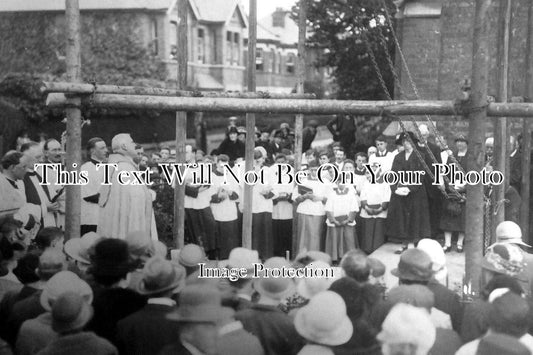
point(371, 108)
point(87, 89)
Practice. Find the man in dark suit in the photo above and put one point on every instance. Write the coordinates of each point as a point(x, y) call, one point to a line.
point(343, 129)
point(515, 164)
point(148, 330)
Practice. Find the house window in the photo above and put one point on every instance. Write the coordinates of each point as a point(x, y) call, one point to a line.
point(289, 64)
point(278, 61)
point(229, 47)
point(200, 57)
point(259, 59)
point(173, 40)
point(154, 48)
point(236, 54)
point(273, 65)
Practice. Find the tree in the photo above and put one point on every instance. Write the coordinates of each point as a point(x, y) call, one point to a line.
point(345, 28)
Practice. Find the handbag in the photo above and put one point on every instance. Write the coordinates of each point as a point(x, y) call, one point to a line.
point(454, 206)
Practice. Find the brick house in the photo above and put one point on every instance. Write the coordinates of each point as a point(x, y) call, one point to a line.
point(436, 39)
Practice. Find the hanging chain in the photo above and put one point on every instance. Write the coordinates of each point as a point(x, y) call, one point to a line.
point(389, 97)
point(432, 126)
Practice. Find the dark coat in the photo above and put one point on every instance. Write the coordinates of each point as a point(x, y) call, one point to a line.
point(447, 342)
point(448, 302)
point(274, 329)
point(110, 306)
point(239, 342)
point(516, 171)
point(233, 150)
point(175, 349)
point(80, 344)
point(408, 216)
point(343, 129)
point(28, 308)
point(453, 215)
point(308, 136)
point(147, 331)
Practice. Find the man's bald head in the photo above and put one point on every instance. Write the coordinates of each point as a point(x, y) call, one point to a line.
point(34, 153)
point(123, 144)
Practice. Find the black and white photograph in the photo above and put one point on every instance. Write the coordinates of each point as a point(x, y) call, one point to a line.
point(266, 177)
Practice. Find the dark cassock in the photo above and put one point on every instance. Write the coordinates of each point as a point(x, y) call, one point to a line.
point(453, 214)
point(89, 197)
point(408, 216)
point(39, 195)
point(434, 195)
point(199, 217)
point(224, 208)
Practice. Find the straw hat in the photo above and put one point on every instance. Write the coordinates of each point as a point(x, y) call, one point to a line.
point(64, 281)
point(324, 321)
point(160, 275)
point(70, 312)
point(79, 248)
point(241, 258)
point(504, 259)
point(200, 303)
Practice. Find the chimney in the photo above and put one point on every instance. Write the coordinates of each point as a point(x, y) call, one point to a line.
point(278, 17)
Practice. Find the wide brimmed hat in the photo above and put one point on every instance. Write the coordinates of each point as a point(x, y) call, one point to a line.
point(111, 258)
point(79, 248)
point(276, 288)
point(70, 312)
point(191, 255)
point(160, 275)
point(62, 282)
point(241, 258)
point(406, 324)
point(313, 255)
point(510, 232)
point(26, 269)
point(310, 286)
point(503, 258)
point(414, 265)
point(324, 321)
point(461, 138)
point(201, 303)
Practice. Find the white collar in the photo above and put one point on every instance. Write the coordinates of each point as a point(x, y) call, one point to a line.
point(514, 152)
point(229, 328)
point(163, 301)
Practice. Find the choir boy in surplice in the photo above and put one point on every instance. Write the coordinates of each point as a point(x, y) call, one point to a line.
point(310, 198)
point(282, 210)
point(224, 207)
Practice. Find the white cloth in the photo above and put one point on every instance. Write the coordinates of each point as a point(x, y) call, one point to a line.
point(385, 160)
point(54, 190)
point(374, 194)
point(342, 204)
point(125, 208)
point(282, 210)
point(226, 210)
point(310, 207)
point(12, 199)
point(261, 204)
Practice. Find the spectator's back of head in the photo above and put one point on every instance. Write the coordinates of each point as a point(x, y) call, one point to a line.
point(509, 314)
point(355, 265)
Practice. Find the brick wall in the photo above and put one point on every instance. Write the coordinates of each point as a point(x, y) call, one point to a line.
point(439, 54)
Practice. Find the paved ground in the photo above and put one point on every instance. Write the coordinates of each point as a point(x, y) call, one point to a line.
point(455, 262)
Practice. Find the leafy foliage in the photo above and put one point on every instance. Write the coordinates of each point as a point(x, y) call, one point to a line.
point(343, 28)
point(112, 52)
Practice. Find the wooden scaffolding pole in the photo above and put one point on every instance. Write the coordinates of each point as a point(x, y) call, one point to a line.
point(181, 125)
point(501, 140)
point(250, 127)
point(476, 137)
point(299, 119)
point(526, 133)
point(73, 146)
point(325, 107)
point(88, 89)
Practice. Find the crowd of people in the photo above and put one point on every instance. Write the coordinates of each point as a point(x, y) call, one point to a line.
point(117, 289)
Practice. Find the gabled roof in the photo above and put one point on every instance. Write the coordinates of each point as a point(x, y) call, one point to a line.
point(217, 11)
point(265, 34)
point(286, 35)
point(59, 5)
